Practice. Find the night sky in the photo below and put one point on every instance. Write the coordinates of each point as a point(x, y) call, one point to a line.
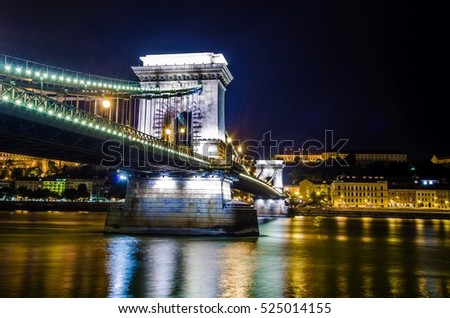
point(374, 72)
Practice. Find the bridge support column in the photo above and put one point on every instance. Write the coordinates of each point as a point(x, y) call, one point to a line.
point(182, 206)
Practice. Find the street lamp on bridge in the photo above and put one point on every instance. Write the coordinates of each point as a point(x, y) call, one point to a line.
point(106, 103)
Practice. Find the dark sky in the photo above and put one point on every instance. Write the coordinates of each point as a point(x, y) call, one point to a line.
point(374, 72)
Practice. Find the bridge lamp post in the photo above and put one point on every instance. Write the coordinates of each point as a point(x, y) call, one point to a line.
point(180, 138)
point(107, 105)
point(167, 133)
point(181, 133)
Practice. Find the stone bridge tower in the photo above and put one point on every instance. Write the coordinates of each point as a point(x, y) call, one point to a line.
point(199, 119)
point(271, 171)
point(184, 204)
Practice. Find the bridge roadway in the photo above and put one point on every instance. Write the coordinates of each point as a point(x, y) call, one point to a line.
point(36, 125)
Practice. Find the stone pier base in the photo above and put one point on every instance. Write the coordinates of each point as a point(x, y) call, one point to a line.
point(182, 206)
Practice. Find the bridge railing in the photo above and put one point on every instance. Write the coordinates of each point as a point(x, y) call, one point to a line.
point(24, 68)
point(17, 96)
point(32, 71)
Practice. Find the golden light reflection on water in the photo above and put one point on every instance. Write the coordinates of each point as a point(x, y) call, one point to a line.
point(424, 286)
point(367, 239)
point(419, 225)
point(394, 224)
point(394, 240)
point(51, 269)
point(342, 238)
point(301, 257)
point(298, 286)
point(395, 283)
point(367, 286)
point(237, 267)
point(446, 226)
point(366, 234)
point(436, 224)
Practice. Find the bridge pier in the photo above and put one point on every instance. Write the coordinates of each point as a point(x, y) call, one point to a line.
point(182, 206)
point(270, 207)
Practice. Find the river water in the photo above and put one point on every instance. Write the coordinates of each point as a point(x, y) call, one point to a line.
point(66, 254)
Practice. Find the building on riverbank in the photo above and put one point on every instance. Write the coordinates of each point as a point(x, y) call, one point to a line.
point(365, 191)
point(57, 185)
point(374, 192)
point(366, 157)
point(441, 160)
point(305, 156)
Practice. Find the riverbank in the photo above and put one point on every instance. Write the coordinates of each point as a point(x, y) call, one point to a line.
point(373, 213)
point(54, 206)
point(349, 212)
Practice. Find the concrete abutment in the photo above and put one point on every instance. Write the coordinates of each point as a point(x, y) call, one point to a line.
point(182, 206)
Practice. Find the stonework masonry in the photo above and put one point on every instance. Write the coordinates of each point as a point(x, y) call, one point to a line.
point(183, 206)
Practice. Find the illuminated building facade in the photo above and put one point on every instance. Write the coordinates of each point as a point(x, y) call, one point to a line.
point(29, 166)
point(57, 185)
point(351, 191)
point(304, 156)
point(54, 185)
point(367, 157)
point(402, 198)
point(441, 160)
point(307, 187)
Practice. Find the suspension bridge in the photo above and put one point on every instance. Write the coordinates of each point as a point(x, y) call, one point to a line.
point(167, 131)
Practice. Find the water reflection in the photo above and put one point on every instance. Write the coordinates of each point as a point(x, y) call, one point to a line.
point(200, 275)
point(346, 257)
point(43, 256)
point(176, 267)
point(121, 265)
point(237, 265)
point(67, 255)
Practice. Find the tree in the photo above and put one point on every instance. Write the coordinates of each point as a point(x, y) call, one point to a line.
point(52, 168)
point(43, 194)
point(17, 173)
point(7, 193)
point(118, 190)
point(23, 192)
point(318, 199)
point(82, 192)
point(70, 194)
point(8, 164)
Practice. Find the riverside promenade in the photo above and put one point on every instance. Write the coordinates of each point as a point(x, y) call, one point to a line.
point(372, 212)
point(328, 211)
point(54, 206)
